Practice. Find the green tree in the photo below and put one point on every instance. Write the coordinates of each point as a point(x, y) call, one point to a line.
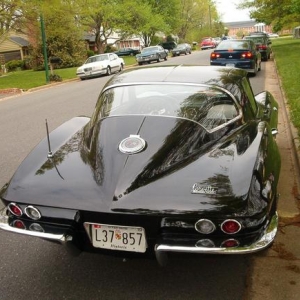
point(104, 18)
point(64, 38)
point(161, 17)
point(10, 15)
point(280, 13)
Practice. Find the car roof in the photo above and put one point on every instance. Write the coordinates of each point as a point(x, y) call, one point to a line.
point(256, 36)
point(224, 77)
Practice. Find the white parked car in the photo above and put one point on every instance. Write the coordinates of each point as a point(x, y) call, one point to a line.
point(273, 35)
point(101, 64)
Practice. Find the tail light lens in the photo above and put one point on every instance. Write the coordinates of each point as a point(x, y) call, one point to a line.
point(206, 243)
point(214, 55)
point(19, 224)
point(15, 209)
point(36, 227)
point(32, 213)
point(231, 243)
point(205, 226)
point(231, 226)
point(246, 55)
point(263, 47)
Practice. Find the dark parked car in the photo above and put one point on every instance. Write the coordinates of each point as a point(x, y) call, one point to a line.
point(127, 51)
point(153, 53)
point(259, 33)
point(263, 45)
point(183, 48)
point(173, 159)
point(237, 53)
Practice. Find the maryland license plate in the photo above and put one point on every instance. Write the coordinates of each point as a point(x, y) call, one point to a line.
point(122, 238)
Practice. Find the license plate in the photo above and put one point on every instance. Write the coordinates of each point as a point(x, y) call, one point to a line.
point(230, 65)
point(121, 238)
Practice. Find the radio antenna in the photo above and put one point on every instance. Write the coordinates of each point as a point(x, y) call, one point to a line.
point(48, 138)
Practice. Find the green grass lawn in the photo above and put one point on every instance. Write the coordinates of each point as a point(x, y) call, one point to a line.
point(286, 54)
point(29, 79)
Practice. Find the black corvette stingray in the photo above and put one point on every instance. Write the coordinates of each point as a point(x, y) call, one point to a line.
point(173, 159)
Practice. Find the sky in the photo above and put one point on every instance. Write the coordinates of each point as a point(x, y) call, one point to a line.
point(228, 11)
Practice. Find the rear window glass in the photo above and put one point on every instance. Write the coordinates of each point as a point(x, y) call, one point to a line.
point(207, 106)
point(236, 45)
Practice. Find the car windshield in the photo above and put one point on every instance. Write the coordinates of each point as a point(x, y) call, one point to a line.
point(230, 44)
point(210, 107)
point(180, 47)
point(149, 49)
point(96, 58)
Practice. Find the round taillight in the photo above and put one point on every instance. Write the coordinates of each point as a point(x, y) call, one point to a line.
point(231, 243)
point(205, 226)
point(15, 209)
point(32, 213)
point(231, 226)
point(19, 224)
point(36, 227)
point(205, 243)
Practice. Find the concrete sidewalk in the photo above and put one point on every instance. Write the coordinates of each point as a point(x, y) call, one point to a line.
point(276, 272)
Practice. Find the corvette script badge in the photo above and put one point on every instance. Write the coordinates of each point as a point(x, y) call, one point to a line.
point(199, 189)
point(132, 144)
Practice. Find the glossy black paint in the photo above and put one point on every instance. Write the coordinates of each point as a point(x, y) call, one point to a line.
point(89, 180)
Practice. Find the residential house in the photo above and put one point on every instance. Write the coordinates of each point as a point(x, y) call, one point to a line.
point(114, 40)
point(13, 46)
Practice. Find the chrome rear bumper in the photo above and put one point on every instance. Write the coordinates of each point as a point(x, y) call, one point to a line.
point(264, 242)
point(4, 224)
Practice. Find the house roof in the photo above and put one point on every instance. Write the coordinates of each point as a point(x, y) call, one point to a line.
point(19, 40)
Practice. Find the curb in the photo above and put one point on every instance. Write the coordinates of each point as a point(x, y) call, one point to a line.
point(12, 92)
point(295, 137)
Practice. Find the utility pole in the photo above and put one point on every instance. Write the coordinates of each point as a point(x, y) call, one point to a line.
point(209, 12)
point(44, 48)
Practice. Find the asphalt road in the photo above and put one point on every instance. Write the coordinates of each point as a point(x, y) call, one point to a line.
point(35, 269)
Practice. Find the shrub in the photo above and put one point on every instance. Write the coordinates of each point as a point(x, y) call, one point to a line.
point(55, 77)
point(90, 53)
point(15, 65)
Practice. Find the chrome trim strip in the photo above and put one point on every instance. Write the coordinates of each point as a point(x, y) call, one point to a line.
point(263, 243)
point(62, 238)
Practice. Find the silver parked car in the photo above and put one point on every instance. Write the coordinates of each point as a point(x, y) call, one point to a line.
point(101, 64)
point(153, 53)
point(183, 48)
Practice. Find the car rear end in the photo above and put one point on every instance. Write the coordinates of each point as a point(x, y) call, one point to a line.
point(207, 44)
point(230, 54)
point(262, 45)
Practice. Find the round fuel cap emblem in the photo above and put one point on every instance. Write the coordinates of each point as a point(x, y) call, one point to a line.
point(132, 144)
